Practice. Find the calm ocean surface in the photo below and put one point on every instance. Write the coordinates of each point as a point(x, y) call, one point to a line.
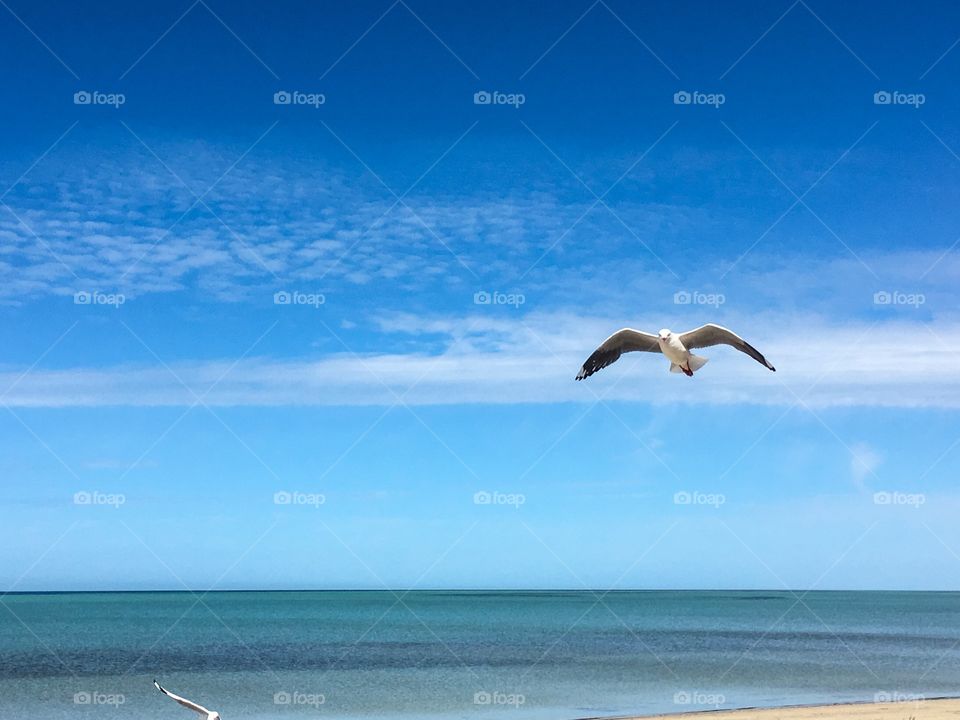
point(468, 654)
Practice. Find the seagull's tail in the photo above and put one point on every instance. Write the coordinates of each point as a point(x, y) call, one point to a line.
point(696, 362)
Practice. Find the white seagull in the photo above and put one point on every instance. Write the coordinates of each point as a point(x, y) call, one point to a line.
point(208, 714)
point(675, 346)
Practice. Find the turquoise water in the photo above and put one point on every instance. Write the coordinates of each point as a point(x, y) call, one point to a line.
point(468, 654)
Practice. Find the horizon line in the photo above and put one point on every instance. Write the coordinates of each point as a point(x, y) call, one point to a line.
point(406, 591)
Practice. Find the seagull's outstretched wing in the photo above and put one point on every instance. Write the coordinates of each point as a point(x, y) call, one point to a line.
point(613, 347)
point(711, 334)
point(183, 701)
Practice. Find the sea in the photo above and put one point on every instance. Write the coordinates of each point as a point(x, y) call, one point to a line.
point(511, 655)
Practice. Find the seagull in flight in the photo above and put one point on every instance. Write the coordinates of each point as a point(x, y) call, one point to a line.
point(208, 714)
point(676, 347)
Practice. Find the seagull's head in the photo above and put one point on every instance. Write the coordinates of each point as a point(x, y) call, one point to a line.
point(664, 335)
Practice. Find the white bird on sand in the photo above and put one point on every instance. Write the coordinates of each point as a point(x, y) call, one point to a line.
point(208, 714)
point(675, 346)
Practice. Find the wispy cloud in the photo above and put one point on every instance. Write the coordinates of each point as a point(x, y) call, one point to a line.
point(864, 461)
point(533, 360)
point(125, 223)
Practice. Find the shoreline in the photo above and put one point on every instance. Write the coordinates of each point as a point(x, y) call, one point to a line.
point(933, 708)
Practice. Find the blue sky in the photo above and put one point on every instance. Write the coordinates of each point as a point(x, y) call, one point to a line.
point(148, 431)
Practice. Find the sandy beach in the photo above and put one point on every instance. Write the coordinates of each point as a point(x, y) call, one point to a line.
point(931, 709)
